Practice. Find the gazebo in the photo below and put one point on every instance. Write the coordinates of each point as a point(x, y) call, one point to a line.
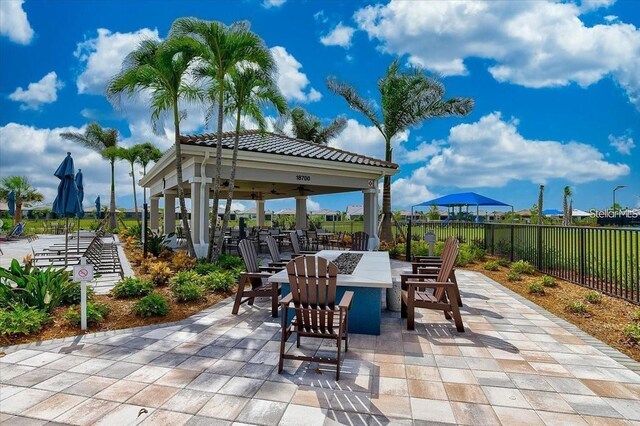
point(463, 199)
point(269, 166)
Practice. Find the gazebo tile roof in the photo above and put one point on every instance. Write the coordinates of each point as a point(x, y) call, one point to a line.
point(271, 143)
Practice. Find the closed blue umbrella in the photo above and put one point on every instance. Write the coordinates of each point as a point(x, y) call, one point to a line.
point(11, 201)
point(66, 203)
point(80, 185)
point(97, 207)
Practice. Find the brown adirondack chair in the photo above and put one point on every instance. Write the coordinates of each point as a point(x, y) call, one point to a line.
point(415, 294)
point(359, 241)
point(430, 265)
point(255, 277)
point(295, 246)
point(313, 294)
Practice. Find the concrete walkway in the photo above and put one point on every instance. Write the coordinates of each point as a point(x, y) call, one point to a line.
point(516, 364)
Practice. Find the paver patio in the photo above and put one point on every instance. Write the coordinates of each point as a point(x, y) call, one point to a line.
point(516, 364)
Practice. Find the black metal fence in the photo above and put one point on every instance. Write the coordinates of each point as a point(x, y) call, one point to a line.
point(605, 259)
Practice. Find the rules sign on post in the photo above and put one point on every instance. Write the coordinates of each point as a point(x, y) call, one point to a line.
point(83, 273)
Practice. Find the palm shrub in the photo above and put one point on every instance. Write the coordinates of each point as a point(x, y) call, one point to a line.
point(33, 287)
point(153, 305)
point(21, 320)
point(96, 313)
point(131, 287)
point(219, 281)
point(491, 265)
point(157, 243)
point(522, 267)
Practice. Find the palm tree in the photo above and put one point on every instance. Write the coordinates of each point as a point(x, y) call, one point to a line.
point(105, 142)
point(309, 127)
point(566, 213)
point(408, 98)
point(25, 193)
point(539, 205)
point(130, 155)
point(147, 152)
point(248, 90)
point(222, 49)
point(160, 68)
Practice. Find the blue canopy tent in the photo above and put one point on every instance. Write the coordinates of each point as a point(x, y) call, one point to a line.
point(66, 203)
point(552, 212)
point(462, 199)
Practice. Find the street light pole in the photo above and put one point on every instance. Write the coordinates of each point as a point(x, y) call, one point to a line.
point(614, 194)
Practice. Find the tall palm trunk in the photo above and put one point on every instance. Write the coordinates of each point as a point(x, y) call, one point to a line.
point(232, 179)
point(385, 232)
point(135, 196)
point(565, 210)
point(570, 214)
point(113, 223)
point(214, 250)
point(17, 217)
point(540, 200)
point(183, 207)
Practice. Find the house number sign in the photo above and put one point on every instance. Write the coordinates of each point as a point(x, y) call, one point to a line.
point(303, 178)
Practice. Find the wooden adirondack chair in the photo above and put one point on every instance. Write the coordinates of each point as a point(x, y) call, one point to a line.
point(255, 277)
point(415, 294)
point(430, 265)
point(274, 252)
point(313, 294)
point(295, 246)
point(359, 241)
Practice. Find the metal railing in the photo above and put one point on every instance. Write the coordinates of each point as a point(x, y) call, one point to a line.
point(604, 259)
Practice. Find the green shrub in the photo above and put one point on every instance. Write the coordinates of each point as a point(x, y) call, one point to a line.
point(522, 267)
point(183, 277)
point(502, 262)
point(514, 276)
point(71, 293)
point(131, 287)
point(577, 307)
point(632, 331)
point(157, 243)
point(134, 231)
point(636, 314)
point(159, 273)
point(21, 320)
point(153, 305)
point(32, 286)
point(548, 281)
point(219, 281)
point(187, 291)
point(491, 265)
point(593, 297)
point(205, 268)
point(536, 289)
point(96, 313)
point(228, 261)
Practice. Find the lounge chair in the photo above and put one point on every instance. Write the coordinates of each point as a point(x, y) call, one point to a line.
point(359, 241)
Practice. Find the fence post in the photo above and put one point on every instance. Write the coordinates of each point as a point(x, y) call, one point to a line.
point(511, 249)
point(493, 239)
point(539, 260)
point(583, 266)
point(408, 249)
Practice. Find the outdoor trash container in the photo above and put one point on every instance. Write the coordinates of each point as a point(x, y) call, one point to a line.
point(393, 296)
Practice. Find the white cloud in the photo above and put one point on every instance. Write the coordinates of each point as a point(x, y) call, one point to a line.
point(533, 44)
point(39, 93)
point(273, 3)
point(50, 149)
point(405, 193)
point(340, 35)
point(623, 144)
point(491, 152)
point(291, 81)
point(312, 206)
point(101, 57)
point(589, 5)
point(366, 140)
point(14, 23)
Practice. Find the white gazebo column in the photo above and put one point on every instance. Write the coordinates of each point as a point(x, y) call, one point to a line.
point(260, 213)
point(370, 212)
point(204, 215)
point(169, 212)
point(154, 214)
point(301, 212)
point(196, 208)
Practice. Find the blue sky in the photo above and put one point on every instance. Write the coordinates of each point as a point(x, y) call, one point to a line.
point(556, 87)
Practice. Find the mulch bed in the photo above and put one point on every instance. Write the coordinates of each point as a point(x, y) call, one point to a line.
point(605, 321)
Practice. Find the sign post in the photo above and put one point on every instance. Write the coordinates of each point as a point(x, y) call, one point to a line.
point(83, 273)
point(430, 238)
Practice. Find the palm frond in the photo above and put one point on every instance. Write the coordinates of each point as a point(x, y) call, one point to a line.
point(355, 101)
